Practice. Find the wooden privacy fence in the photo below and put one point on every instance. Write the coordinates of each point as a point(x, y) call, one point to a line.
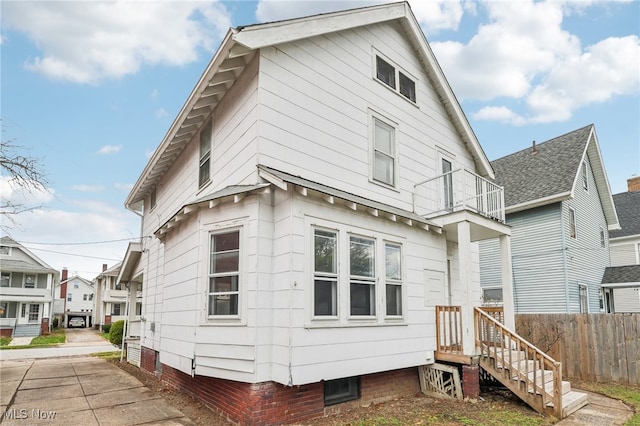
point(592, 347)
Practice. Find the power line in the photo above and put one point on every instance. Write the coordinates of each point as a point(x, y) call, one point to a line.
point(80, 243)
point(73, 254)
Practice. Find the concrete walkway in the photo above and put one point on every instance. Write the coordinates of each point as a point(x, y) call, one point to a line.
point(601, 411)
point(78, 391)
point(20, 341)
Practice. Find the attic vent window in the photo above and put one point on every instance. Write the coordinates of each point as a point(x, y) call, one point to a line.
point(205, 156)
point(389, 75)
point(5, 250)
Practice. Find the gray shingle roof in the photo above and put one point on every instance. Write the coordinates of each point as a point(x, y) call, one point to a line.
point(628, 207)
point(550, 171)
point(621, 274)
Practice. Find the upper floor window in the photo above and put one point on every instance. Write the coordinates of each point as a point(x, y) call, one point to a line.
point(325, 273)
point(69, 297)
point(5, 250)
point(572, 224)
point(5, 279)
point(115, 309)
point(152, 199)
point(585, 176)
point(76, 285)
point(224, 273)
point(205, 155)
point(138, 308)
point(389, 75)
point(603, 239)
point(383, 152)
point(29, 281)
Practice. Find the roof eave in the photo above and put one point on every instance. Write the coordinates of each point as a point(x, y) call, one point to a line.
point(552, 199)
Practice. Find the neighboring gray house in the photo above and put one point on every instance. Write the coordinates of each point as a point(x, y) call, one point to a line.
point(26, 291)
point(621, 281)
point(559, 205)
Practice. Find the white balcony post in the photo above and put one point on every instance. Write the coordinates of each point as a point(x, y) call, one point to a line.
point(507, 282)
point(464, 262)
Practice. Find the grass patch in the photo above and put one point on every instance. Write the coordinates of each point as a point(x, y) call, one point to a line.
point(4, 341)
point(108, 356)
point(105, 336)
point(628, 394)
point(57, 336)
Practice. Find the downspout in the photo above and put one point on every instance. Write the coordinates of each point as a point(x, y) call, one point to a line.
point(564, 257)
point(291, 285)
point(126, 321)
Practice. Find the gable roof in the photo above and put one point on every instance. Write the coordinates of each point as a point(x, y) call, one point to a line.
point(74, 278)
point(38, 265)
point(238, 48)
point(628, 208)
point(548, 172)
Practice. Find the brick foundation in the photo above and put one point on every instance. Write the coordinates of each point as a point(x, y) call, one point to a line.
point(6, 332)
point(271, 403)
point(470, 381)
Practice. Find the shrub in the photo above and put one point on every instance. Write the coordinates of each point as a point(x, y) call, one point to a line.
point(115, 332)
point(106, 328)
point(55, 322)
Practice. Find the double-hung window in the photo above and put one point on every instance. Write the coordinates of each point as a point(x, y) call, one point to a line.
point(325, 273)
point(224, 273)
point(205, 156)
point(389, 75)
point(393, 278)
point(29, 281)
point(5, 279)
point(362, 276)
point(383, 152)
point(115, 309)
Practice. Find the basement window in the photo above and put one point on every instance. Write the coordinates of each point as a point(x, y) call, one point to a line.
point(341, 390)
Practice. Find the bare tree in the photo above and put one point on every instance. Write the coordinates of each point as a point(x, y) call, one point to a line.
point(21, 172)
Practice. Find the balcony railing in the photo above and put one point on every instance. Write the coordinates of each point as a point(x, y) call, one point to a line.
point(458, 190)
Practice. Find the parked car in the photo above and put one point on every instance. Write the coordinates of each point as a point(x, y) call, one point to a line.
point(76, 322)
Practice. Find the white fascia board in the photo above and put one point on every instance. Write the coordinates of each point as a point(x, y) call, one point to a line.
point(602, 183)
point(539, 202)
point(621, 285)
point(220, 55)
point(269, 34)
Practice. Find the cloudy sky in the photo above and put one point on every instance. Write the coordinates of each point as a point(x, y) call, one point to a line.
point(90, 88)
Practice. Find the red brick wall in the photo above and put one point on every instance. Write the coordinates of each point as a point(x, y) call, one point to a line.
point(470, 381)
point(271, 403)
point(6, 332)
point(147, 359)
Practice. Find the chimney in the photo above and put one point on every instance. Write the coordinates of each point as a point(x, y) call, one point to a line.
point(633, 184)
point(104, 267)
point(63, 285)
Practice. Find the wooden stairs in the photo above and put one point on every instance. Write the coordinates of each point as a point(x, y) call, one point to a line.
point(524, 369)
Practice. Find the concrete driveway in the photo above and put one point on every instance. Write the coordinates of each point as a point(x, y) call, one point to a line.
point(78, 391)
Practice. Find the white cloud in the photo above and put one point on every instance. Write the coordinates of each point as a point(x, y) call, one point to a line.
point(155, 94)
point(502, 114)
point(109, 149)
point(86, 42)
point(93, 222)
point(276, 10)
point(523, 53)
point(88, 188)
point(11, 192)
point(161, 113)
point(123, 186)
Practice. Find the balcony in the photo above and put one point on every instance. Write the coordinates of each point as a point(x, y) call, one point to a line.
point(459, 190)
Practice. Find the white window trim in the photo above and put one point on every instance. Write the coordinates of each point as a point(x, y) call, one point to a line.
point(573, 222)
point(370, 281)
point(224, 320)
point(397, 70)
point(373, 116)
point(208, 156)
point(584, 175)
point(313, 272)
point(603, 238)
point(580, 301)
point(344, 317)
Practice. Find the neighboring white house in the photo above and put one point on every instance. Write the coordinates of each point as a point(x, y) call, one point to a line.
point(110, 297)
point(73, 298)
point(317, 197)
point(622, 280)
point(26, 291)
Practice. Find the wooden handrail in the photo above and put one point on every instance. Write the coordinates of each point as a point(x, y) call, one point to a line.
point(496, 341)
point(449, 329)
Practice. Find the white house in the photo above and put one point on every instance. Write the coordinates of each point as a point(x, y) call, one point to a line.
point(109, 297)
point(26, 291)
point(313, 208)
point(621, 282)
point(73, 298)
